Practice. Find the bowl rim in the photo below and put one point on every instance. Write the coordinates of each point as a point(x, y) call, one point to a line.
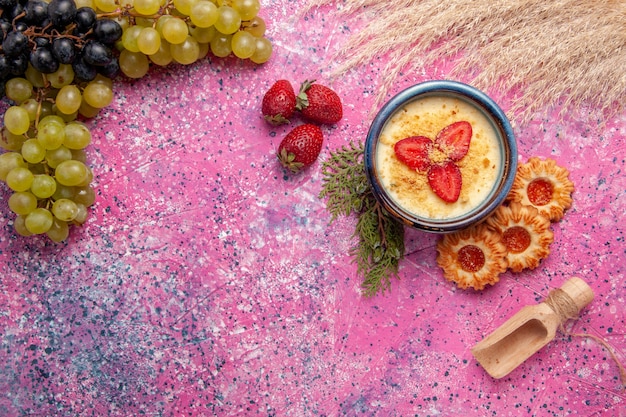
point(489, 108)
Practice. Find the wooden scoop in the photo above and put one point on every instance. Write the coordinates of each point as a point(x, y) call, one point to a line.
point(531, 328)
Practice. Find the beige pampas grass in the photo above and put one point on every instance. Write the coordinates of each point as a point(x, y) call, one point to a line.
point(570, 53)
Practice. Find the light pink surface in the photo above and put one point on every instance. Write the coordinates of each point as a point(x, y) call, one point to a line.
point(209, 282)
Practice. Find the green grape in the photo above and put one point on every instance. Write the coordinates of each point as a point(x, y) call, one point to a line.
point(51, 135)
point(33, 151)
point(228, 20)
point(32, 107)
point(162, 57)
point(106, 6)
point(55, 156)
point(66, 117)
point(147, 7)
point(186, 52)
point(87, 180)
point(43, 186)
point(59, 231)
point(256, 26)
point(184, 6)
point(248, 9)
point(9, 141)
point(203, 50)
point(9, 161)
point(61, 77)
point(19, 179)
point(133, 64)
point(18, 89)
point(71, 173)
point(79, 155)
point(81, 216)
point(20, 226)
point(145, 21)
point(101, 79)
point(86, 3)
point(77, 136)
point(63, 191)
point(16, 120)
point(39, 221)
point(263, 51)
point(22, 203)
point(148, 41)
point(221, 45)
point(51, 118)
point(45, 109)
point(64, 209)
point(85, 196)
point(175, 31)
point(243, 44)
point(35, 77)
point(161, 21)
point(202, 35)
point(98, 95)
point(87, 111)
point(129, 38)
point(68, 99)
point(203, 14)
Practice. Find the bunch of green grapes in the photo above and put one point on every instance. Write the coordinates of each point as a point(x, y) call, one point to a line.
point(45, 162)
point(183, 31)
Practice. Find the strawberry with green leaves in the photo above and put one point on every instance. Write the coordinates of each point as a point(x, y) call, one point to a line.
point(318, 103)
point(444, 176)
point(301, 147)
point(279, 103)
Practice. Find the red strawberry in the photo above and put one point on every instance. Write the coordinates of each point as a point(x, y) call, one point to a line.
point(301, 147)
point(414, 152)
point(319, 103)
point(445, 180)
point(454, 139)
point(279, 103)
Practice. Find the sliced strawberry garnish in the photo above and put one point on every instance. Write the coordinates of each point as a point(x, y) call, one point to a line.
point(445, 180)
point(414, 152)
point(454, 139)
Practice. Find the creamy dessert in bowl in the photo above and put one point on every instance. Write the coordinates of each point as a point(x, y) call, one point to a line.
point(441, 156)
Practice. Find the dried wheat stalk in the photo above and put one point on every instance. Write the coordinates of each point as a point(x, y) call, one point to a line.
point(541, 52)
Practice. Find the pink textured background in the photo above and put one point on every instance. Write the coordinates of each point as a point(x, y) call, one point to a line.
point(209, 282)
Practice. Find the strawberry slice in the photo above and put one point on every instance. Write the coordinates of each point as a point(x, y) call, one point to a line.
point(414, 152)
point(454, 139)
point(445, 180)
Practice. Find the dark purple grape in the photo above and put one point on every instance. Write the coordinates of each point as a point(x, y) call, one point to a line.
point(85, 19)
point(14, 12)
point(83, 70)
point(61, 12)
point(18, 64)
point(6, 27)
point(20, 26)
point(43, 61)
point(110, 70)
point(96, 53)
point(5, 66)
point(41, 41)
point(64, 50)
point(36, 12)
point(15, 43)
point(107, 31)
point(7, 4)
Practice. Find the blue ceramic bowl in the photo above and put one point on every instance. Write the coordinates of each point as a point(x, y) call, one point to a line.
point(506, 141)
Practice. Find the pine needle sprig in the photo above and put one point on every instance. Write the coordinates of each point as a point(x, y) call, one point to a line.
point(380, 244)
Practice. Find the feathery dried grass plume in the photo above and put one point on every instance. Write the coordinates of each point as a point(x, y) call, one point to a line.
point(541, 53)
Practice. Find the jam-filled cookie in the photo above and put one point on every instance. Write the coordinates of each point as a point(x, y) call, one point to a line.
point(525, 233)
point(544, 185)
point(472, 258)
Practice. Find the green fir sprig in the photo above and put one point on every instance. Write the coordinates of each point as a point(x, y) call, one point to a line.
point(380, 237)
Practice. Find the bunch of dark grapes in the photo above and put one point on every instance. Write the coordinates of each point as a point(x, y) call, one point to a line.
point(57, 63)
point(48, 35)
